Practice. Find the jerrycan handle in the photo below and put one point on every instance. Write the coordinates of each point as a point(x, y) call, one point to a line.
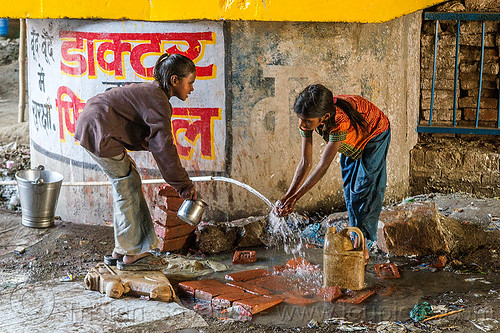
point(358, 232)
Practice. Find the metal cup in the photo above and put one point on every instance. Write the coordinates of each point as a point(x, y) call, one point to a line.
point(191, 211)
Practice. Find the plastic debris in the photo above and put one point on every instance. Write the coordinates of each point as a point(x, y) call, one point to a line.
point(486, 324)
point(237, 312)
point(421, 311)
point(314, 233)
point(67, 278)
point(313, 324)
point(494, 223)
point(482, 280)
point(103, 243)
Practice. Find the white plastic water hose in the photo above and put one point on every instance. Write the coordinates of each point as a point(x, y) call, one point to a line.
point(107, 183)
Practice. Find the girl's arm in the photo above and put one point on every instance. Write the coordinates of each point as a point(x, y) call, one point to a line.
point(327, 157)
point(302, 169)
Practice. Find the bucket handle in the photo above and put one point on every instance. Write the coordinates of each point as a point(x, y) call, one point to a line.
point(38, 180)
point(358, 232)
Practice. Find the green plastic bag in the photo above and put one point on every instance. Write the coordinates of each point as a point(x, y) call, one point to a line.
point(421, 311)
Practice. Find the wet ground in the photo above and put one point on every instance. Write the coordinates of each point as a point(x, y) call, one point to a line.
point(70, 248)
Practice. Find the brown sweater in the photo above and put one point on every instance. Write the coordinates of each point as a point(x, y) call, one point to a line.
point(135, 117)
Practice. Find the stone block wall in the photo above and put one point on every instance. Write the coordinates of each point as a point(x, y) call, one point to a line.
point(449, 163)
point(468, 68)
point(456, 164)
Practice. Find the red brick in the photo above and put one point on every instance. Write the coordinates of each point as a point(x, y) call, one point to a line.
point(356, 297)
point(206, 293)
point(330, 294)
point(387, 271)
point(250, 288)
point(279, 268)
point(247, 275)
point(226, 300)
point(166, 191)
point(258, 303)
point(274, 283)
point(386, 291)
point(439, 262)
point(484, 114)
point(173, 203)
point(173, 232)
point(173, 244)
point(299, 300)
point(300, 263)
point(189, 287)
point(165, 217)
point(244, 257)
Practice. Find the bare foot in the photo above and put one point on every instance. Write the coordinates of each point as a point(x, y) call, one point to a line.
point(117, 255)
point(129, 259)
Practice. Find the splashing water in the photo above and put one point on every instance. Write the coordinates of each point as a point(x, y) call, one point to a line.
point(283, 231)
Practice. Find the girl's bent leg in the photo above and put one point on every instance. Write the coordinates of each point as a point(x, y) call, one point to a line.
point(364, 185)
point(133, 226)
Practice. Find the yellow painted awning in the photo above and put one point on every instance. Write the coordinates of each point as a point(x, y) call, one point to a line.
point(368, 11)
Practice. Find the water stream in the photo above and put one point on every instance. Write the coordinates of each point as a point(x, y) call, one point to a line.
point(284, 231)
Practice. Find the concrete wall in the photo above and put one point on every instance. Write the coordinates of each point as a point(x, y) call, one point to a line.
point(273, 62)
point(267, 64)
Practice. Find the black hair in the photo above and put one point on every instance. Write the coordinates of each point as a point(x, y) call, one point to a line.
point(168, 65)
point(316, 100)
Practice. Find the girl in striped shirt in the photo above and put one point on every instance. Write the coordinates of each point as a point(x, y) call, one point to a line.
point(358, 130)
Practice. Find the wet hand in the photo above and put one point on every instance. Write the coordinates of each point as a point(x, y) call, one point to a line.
point(287, 206)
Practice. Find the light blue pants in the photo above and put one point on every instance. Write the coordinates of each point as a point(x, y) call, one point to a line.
point(133, 226)
point(364, 184)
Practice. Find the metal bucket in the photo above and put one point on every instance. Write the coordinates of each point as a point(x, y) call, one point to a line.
point(38, 192)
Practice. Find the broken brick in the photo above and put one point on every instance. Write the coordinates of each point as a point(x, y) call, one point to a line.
point(258, 303)
point(166, 217)
point(330, 294)
point(206, 293)
point(274, 283)
point(386, 291)
point(226, 300)
point(166, 191)
point(356, 297)
point(247, 275)
point(439, 262)
point(188, 287)
point(250, 288)
point(244, 257)
point(295, 263)
point(387, 271)
point(299, 300)
point(173, 244)
point(173, 203)
point(279, 268)
point(173, 232)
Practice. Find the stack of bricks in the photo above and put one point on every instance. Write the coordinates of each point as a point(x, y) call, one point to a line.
point(174, 234)
point(468, 73)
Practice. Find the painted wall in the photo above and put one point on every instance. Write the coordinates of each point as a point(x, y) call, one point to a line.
point(265, 65)
point(261, 10)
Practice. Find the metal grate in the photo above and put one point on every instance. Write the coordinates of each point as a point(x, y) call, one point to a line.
point(456, 128)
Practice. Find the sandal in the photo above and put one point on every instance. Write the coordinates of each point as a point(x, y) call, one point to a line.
point(147, 263)
point(110, 260)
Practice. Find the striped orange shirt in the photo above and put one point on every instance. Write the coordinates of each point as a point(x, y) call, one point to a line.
point(352, 143)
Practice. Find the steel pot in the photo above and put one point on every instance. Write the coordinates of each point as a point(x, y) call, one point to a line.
point(191, 211)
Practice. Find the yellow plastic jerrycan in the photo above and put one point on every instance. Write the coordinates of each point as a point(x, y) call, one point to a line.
point(343, 265)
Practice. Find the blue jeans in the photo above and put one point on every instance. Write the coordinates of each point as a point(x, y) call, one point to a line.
point(364, 184)
point(133, 227)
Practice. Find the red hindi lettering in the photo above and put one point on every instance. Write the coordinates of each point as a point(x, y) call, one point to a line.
point(197, 123)
point(69, 106)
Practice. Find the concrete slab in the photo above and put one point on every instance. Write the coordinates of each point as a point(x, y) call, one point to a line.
point(68, 307)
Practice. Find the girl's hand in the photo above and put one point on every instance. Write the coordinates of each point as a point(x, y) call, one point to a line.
point(191, 194)
point(287, 206)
